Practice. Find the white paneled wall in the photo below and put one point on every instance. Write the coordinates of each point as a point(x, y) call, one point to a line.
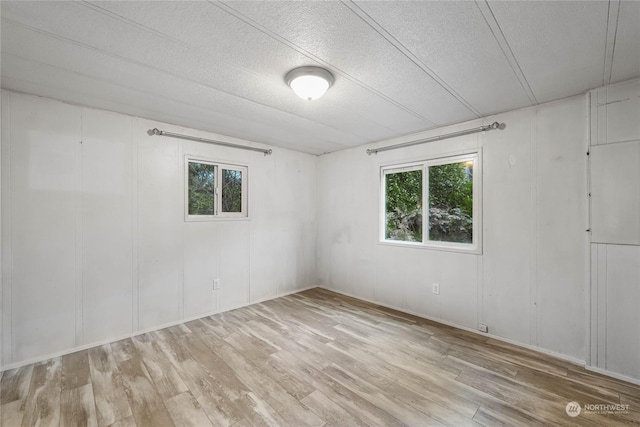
point(615, 223)
point(615, 193)
point(615, 315)
point(106, 226)
point(40, 210)
point(560, 273)
point(615, 155)
point(508, 261)
point(159, 227)
point(529, 285)
point(95, 246)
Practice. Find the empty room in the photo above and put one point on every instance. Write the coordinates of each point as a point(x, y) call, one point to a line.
point(320, 213)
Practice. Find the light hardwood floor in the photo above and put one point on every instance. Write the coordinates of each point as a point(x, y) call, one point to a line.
point(315, 358)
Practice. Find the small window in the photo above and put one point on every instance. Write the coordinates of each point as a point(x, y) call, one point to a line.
point(215, 190)
point(433, 203)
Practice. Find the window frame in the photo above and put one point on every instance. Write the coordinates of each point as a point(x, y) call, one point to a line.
point(475, 247)
point(218, 168)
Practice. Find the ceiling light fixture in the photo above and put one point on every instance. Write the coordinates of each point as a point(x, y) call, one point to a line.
point(309, 82)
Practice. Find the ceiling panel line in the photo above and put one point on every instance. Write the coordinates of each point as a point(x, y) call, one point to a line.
point(106, 81)
point(163, 118)
point(494, 26)
point(161, 96)
point(159, 70)
point(193, 48)
point(391, 39)
point(147, 115)
point(101, 10)
point(311, 56)
point(165, 36)
point(613, 14)
point(153, 31)
point(402, 67)
point(116, 56)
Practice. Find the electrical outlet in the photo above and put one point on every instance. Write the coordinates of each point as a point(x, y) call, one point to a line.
point(436, 288)
point(483, 328)
point(216, 284)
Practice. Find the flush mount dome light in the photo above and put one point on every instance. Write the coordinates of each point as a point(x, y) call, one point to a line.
point(309, 82)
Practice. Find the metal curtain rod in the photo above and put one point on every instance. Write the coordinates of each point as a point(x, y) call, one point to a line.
point(494, 125)
point(157, 131)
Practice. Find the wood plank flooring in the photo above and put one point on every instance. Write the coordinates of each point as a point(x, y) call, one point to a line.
point(311, 359)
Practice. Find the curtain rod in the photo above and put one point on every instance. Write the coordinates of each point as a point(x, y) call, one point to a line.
point(157, 131)
point(494, 125)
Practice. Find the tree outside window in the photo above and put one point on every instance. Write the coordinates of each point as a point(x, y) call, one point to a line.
point(448, 187)
point(215, 190)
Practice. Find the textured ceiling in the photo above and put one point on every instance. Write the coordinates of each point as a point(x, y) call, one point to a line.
point(400, 67)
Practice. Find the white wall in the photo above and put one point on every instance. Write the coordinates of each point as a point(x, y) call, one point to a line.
point(530, 284)
point(615, 222)
point(95, 246)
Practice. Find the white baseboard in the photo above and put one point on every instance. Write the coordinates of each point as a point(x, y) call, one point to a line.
point(143, 331)
point(613, 374)
point(574, 360)
point(571, 359)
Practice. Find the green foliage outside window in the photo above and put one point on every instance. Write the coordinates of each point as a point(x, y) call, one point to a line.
point(201, 189)
point(231, 191)
point(404, 206)
point(450, 213)
point(451, 202)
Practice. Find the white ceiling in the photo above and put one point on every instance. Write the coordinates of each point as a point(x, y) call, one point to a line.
point(400, 67)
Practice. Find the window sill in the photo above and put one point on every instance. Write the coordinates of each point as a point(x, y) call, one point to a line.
point(443, 247)
point(216, 219)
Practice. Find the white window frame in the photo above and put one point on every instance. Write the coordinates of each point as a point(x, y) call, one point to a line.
point(475, 246)
point(218, 167)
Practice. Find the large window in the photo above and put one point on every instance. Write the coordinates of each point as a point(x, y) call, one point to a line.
point(215, 190)
point(434, 203)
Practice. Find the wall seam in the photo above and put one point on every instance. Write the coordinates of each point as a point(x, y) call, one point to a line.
point(134, 225)
point(479, 265)
point(181, 192)
point(79, 240)
point(606, 297)
point(593, 349)
point(533, 230)
point(590, 267)
point(11, 231)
